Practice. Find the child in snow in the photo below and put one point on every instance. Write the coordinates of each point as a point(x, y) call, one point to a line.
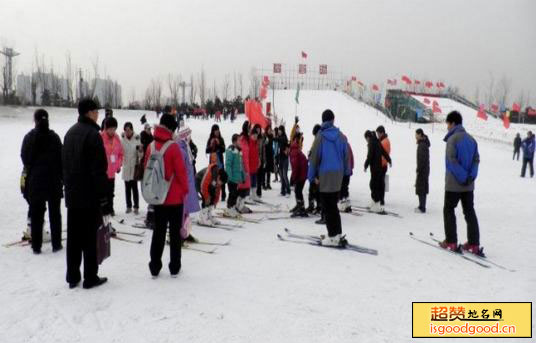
point(234, 168)
point(209, 182)
point(114, 154)
point(298, 163)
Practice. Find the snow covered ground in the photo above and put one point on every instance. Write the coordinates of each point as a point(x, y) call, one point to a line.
point(259, 289)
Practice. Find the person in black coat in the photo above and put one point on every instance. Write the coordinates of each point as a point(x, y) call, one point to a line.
point(216, 144)
point(374, 160)
point(269, 154)
point(85, 177)
point(41, 156)
point(283, 161)
point(517, 147)
point(423, 169)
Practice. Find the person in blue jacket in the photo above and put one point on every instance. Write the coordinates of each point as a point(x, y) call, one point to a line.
point(328, 164)
point(461, 160)
point(528, 146)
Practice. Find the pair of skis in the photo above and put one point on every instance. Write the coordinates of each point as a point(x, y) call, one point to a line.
point(368, 210)
point(313, 240)
point(479, 259)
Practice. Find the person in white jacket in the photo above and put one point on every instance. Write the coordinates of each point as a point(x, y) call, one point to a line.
point(133, 158)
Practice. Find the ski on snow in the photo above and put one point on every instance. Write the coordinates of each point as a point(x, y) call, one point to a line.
point(457, 253)
point(316, 241)
point(480, 257)
point(368, 210)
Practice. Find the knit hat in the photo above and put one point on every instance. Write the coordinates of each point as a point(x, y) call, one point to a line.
point(327, 115)
point(168, 121)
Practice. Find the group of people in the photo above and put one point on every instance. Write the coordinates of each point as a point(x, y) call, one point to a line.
point(528, 146)
point(91, 156)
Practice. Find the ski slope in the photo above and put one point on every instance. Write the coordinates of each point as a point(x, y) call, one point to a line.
point(259, 289)
point(491, 129)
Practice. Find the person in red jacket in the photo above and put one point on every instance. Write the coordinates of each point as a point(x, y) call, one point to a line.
point(254, 162)
point(298, 164)
point(244, 187)
point(169, 213)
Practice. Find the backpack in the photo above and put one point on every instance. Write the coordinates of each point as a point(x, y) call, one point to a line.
point(155, 187)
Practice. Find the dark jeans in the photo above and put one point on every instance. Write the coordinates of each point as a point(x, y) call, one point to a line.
point(233, 194)
point(449, 217)
point(382, 186)
point(131, 188)
point(298, 191)
point(267, 176)
point(37, 210)
point(223, 192)
point(283, 173)
point(82, 226)
point(260, 181)
point(331, 211)
point(344, 187)
point(166, 216)
point(253, 179)
point(377, 185)
point(422, 202)
point(516, 153)
point(110, 189)
point(530, 162)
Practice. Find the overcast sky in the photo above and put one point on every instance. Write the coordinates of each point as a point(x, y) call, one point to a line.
point(458, 41)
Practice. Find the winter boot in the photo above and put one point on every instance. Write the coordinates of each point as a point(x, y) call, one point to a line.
point(241, 206)
point(321, 221)
point(129, 210)
point(214, 221)
point(472, 248)
point(204, 217)
point(311, 207)
point(419, 210)
point(231, 212)
point(334, 241)
point(292, 210)
point(449, 246)
point(300, 212)
point(377, 208)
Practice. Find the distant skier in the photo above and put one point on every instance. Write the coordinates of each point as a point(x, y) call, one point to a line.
point(132, 161)
point(327, 166)
point(85, 177)
point(423, 169)
point(517, 146)
point(261, 148)
point(283, 161)
point(345, 204)
point(528, 146)
point(209, 182)
point(114, 153)
point(386, 146)
point(41, 156)
point(374, 161)
point(462, 160)
point(170, 213)
point(298, 162)
point(269, 157)
point(254, 161)
point(314, 195)
point(234, 167)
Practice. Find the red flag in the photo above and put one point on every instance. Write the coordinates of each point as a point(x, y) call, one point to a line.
point(303, 55)
point(375, 87)
point(494, 108)
point(394, 82)
point(417, 82)
point(506, 121)
point(482, 113)
point(516, 107)
point(406, 80)
point(438, 84)
point(265, 81)
point(354, 78)
point(389, 82)
point(277, 68)
point(436, 109)
point(442, 84)
point(302, 69)
point(427, 101)
point(435, 103)
point(429, 84)
point(254, 113)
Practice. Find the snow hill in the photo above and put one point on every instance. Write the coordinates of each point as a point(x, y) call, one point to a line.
point(491, 129)
point(259, 289)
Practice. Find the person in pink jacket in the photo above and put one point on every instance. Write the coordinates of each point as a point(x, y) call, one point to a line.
point(114, 155)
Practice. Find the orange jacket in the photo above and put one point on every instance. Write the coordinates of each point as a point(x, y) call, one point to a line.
point(386, 145)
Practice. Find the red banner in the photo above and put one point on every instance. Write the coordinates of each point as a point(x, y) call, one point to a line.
point(429, 84)
point(323, 69)
point(482, 113)
point(254, 113)
point(531, 112)
point(516, 107)
point(277, 68)
point(302, 69)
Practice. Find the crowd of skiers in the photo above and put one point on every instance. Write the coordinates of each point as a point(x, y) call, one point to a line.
point(91, 157)
point(528, 146)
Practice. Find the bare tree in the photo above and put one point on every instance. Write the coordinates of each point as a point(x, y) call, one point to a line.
point(254, 83)
point(93, 87)
point(202, 87)
point(148, 100)
point(234, 84)
point(69, 77)
point(214, 91)
point(503, 90)
point(521, 99)
point(174, 82)
point(241, 85)
point(226, 86)
point(132, 96)
point(155, 92)
point(193, 89)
